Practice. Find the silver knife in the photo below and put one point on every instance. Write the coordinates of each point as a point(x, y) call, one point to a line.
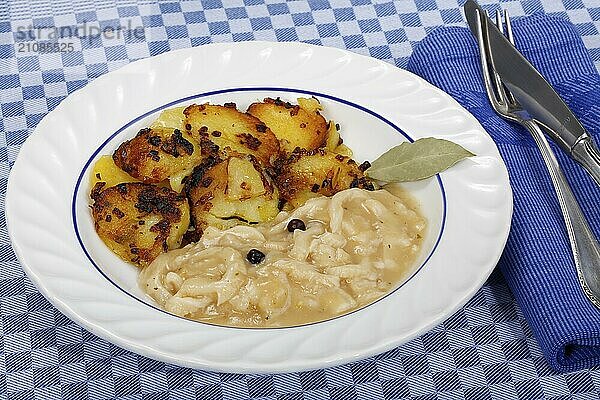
point(537, 96)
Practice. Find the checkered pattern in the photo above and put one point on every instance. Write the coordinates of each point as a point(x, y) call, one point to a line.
point(484, 351)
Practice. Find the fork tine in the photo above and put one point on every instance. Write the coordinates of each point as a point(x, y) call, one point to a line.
point(499, 23)
point(485, 67)
point(509, 31)
point(502, 95)
point(511, 38)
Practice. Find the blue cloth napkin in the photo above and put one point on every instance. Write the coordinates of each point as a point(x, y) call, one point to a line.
point(537, 261)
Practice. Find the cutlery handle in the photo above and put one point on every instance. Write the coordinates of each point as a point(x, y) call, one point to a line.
point(585, 247)
point(586, 153)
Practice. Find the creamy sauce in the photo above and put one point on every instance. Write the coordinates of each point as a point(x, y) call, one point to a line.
point(357, 246)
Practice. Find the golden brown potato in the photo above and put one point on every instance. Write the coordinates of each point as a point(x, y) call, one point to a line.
point(156, 154)
point(227, 127)
point(224, 191)
point(295, 126)
point(306, 174)
point(333, 139)
point(105, 170)
point(170, 118)
point(138, 221)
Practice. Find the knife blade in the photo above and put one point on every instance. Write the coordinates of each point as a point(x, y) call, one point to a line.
point(535, 94)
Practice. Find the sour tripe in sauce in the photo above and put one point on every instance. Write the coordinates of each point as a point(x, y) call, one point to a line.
point(323, 259)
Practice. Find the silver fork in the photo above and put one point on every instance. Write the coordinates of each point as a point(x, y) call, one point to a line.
point(584, 246)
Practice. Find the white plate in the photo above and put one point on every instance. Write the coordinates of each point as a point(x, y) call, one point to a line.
point(469, 207)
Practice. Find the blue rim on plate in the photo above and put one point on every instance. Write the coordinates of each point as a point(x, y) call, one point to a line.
point(247, 89)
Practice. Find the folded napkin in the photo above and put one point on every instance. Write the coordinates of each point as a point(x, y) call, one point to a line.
point(537, 261)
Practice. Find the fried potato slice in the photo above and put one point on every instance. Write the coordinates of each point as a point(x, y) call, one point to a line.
point(105, 170)
point(334, 142)
point(227, 127)
point(306, 174)
point(156, 154)
point(295, 126)
point(333, 139)
point(170, 118)
point(225, 192)
point(138, 221)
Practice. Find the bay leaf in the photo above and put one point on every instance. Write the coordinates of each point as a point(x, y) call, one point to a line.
point(417, 160)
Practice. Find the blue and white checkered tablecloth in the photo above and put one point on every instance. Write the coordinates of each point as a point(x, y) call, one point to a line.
point(484, 351)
